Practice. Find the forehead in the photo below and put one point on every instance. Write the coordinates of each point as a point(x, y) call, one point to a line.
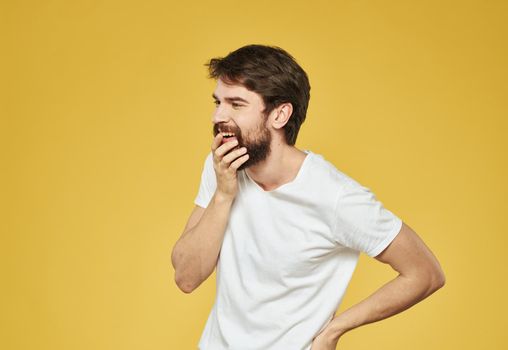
point(224, 90)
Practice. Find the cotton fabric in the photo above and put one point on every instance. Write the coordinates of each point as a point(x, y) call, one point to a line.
point(288, 255)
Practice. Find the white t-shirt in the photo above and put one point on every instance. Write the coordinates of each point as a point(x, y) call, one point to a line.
point(288, 255)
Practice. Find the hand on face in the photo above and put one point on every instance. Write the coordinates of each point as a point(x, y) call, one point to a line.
point(227, 158)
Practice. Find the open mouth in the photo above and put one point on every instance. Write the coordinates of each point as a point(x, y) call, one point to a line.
point(228, 136)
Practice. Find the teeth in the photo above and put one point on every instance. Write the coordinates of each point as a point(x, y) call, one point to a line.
point(228, 134)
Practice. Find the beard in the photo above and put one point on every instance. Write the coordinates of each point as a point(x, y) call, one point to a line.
point(258, 146)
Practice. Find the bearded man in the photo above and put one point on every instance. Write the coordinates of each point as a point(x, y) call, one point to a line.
point(283, 226)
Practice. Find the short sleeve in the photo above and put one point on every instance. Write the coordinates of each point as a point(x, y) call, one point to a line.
point(208, 183)
point(362, 222)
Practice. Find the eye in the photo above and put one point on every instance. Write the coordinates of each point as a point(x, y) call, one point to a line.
point(216, 102)
point(236, 105)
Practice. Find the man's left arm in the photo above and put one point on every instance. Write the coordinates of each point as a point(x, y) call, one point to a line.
point(420, 275)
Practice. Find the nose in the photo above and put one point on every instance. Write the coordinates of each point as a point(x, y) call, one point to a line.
point(220, 115)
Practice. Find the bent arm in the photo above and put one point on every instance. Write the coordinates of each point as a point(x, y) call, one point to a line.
point(196, 252)
point(420, 275)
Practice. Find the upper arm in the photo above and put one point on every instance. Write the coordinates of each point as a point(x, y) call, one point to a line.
point(409, 255)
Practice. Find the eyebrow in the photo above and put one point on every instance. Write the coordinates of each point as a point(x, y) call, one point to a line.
point(231, 99)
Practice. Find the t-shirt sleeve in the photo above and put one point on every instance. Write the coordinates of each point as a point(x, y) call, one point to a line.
point(208, 183)
point(362, 222)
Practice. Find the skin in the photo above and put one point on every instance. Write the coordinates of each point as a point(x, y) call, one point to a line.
point(420, 273)
point(272, 162)
point(193, 257)
point(257, 142)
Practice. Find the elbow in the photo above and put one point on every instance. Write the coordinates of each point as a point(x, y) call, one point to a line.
point(427, 281)
point(440, 280)
point(181, 282)
point(186, 276)
point(184, 284)
point(187, 289)
point(437, 280)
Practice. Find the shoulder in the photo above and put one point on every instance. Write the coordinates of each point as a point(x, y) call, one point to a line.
point(327, 174)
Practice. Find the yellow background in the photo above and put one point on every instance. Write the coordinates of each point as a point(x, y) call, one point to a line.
point(106, 121)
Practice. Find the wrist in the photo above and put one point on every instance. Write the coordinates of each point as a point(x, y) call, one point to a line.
point(336, 328)
point(222, 198)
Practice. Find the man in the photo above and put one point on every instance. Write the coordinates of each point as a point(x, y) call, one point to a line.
point(284, 227)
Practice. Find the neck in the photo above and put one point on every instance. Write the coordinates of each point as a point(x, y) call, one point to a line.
point(280, 167)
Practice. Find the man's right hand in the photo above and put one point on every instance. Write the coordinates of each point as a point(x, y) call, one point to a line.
point(226, 161)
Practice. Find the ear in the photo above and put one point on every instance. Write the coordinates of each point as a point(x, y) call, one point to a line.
point(282, 114)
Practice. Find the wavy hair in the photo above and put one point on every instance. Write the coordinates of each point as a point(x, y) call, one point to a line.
point(272, 73)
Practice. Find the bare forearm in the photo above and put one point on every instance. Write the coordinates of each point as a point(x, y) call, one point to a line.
point(395, 296)
point(196, 252)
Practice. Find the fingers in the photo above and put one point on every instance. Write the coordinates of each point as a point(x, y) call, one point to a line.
point(236, 164)
point(228, 158)
point(225, 148)
point(217, 140)
point(225, 154)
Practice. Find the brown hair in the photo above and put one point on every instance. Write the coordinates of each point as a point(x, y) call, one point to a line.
point(272, 73)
